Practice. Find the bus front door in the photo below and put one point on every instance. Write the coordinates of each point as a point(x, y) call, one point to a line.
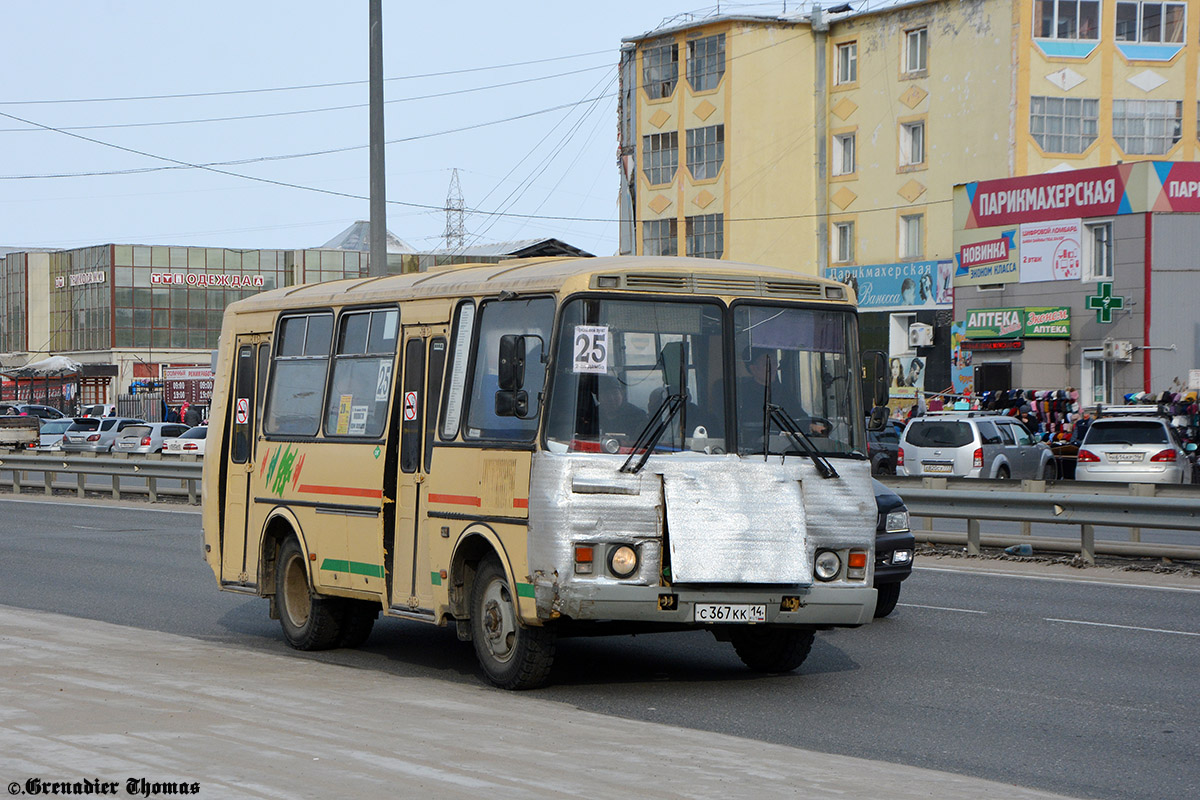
point(424, 363)
point(251, 356)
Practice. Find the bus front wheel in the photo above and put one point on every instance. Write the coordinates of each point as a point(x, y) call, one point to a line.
point(765, 649)
point(309, 623)
point(513, 656)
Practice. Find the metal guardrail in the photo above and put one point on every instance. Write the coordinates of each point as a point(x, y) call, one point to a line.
point(143, 471)
point(1086, 504)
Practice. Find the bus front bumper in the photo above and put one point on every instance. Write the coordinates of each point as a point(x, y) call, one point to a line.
point(816, 605)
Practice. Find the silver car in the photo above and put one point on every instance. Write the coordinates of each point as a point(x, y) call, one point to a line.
point(95, 435)
point(147, 438)
point(972, 445)
point(1132, 450)
point(51, 434)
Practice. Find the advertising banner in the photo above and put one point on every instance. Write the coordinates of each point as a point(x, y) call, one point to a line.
point(1094, 192)
point(1043, 322)
point(986, 257)
point(1180, 186)
point(897, 287)
point(962, 376)
point(1050, 251)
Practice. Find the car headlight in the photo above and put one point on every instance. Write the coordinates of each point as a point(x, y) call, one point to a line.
point(827, 565)
point(896, 521)
point(623, 561)
point(902, 557)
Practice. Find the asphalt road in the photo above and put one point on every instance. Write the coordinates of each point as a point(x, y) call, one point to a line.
point(1062, 684)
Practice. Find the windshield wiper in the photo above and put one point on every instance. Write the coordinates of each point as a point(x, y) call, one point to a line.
point(790, 428)
point(654, 430)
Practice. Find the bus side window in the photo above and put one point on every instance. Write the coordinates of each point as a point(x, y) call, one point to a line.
point(298, 378)
point(362, 373)
point(243, 425)
point(532, 318)
point(437, 366)
point(456, 387)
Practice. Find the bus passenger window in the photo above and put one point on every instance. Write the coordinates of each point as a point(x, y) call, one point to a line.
point(532, 318)
point(298, 380)
point(362, 374)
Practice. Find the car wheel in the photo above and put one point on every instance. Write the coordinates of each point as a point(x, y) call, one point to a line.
point(1002, 473)
point(1050, 470)
point(513, 655)
point(764, 649)
point(309, 623)
point(889, 595)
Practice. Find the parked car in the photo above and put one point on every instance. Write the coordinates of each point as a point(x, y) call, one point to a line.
point(894, 547)
point(94, 435)
point(99, 410)
point(147, 438)
point(883, 447)
point(51, 434)
point(190, 441)
point(32, 410)
point(968, 444)
point(1133, 450)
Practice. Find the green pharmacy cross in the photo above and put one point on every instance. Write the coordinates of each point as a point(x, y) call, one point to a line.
point(1103, 302)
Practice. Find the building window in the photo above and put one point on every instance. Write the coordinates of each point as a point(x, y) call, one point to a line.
point(1147, 127)
point(916, 50)
point(706, 236)
point(705, 151)
point(847, 63)
point(706, 62)
point(660, 156)
point(1064, 124)
point(1066, 19)
point(1098, 251)
point(843, 154)
point(660, 70)
point(1151, 22)
point(912, 236)
point(1097, 378)
point(843, 242)
point(912, 143)
point(659, 237)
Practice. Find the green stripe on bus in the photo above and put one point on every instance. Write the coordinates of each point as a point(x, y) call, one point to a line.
point(525, 590)
point(353, 567)
point(436, 577)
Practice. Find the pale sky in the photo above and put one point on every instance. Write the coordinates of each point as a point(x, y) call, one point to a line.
point(560, 163)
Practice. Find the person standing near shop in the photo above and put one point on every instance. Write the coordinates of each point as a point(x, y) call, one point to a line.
point(191, 416)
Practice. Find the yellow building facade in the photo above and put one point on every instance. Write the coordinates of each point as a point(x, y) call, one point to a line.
point(813, 141)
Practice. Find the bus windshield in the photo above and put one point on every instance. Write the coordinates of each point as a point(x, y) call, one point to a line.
point(799, 358)
point(620, 360)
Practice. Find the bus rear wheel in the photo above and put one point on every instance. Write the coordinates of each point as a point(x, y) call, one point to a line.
point(765, 649)
point(513, 656)
point(309, 623)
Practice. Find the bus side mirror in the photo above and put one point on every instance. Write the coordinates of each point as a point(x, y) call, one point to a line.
point(512, 404)
point(880, 383)
point(512, 362)
point(879, 418)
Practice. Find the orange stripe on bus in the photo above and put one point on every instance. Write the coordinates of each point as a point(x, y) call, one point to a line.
point(521, 502)
point(455, 499)
point(345, 491)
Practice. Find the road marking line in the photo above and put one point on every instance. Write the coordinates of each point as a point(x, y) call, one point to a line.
point(1123, 627)
point(1059, 578)
point(72, 502)
point(942, 608)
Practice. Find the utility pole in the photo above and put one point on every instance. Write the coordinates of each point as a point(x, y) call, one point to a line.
point(456, 229)
point(378, 264)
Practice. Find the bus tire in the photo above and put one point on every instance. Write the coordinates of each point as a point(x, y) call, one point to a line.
point(309, 622)
point(764, 649)
point(358, 618)
point(513, 656)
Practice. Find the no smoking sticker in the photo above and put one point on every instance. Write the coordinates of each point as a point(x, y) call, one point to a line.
point(410, 406)
point(243, 410)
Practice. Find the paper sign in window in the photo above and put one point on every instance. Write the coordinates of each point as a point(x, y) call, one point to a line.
point(590, 349)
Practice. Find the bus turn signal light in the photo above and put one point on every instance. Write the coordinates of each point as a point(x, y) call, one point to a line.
point(583, 559)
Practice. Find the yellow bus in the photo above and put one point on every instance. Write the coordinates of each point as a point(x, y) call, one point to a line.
point(544, 448)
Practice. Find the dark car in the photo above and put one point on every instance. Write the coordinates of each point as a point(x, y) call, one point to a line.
point(883, 447)
point(31, 410)
point(894, 546)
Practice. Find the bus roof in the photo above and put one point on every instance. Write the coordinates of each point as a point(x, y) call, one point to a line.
point(701, 276)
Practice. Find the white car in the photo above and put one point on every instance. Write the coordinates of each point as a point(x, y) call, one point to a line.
point(52, 433)
point(191, 441)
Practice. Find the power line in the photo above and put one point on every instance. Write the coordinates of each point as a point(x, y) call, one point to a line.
point(334, 84)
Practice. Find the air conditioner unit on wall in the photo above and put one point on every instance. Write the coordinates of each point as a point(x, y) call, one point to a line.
point(920, 335)
point(1117, 350)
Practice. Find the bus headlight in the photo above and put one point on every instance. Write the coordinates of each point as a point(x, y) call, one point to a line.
point(827, 565)
point(896, 521)
point(622, 561)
